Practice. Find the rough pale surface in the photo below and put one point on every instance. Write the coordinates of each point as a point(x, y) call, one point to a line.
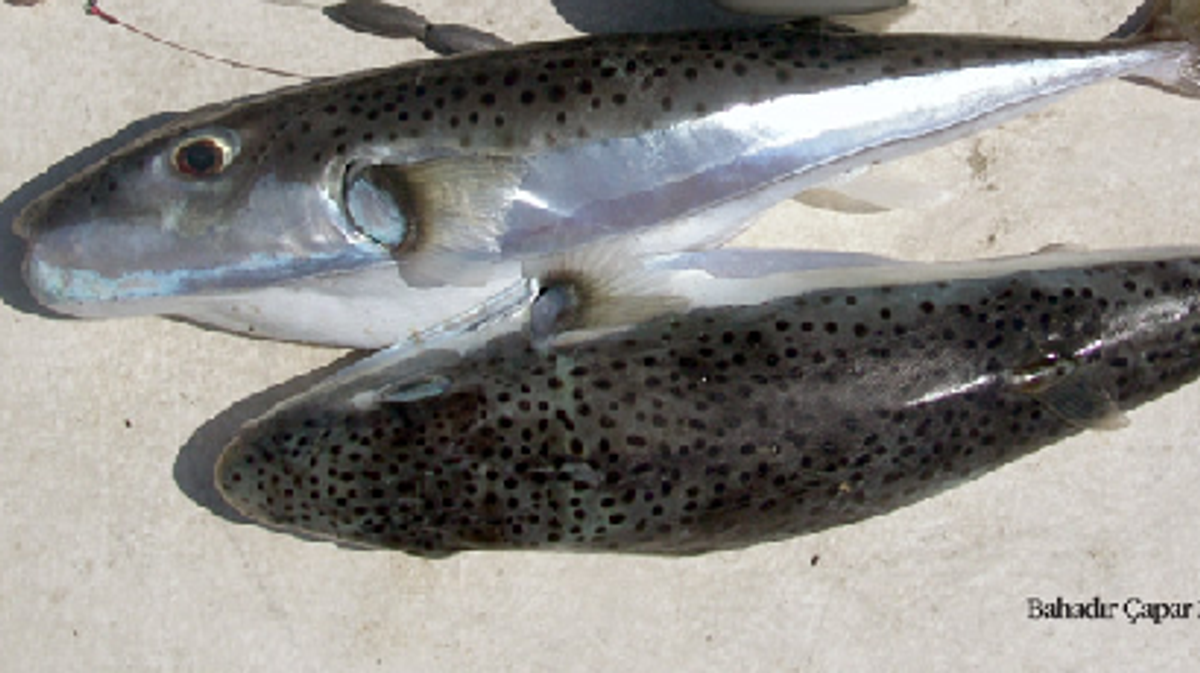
point(116, 556)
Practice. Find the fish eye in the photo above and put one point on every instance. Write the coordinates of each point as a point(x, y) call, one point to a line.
point(203, 155)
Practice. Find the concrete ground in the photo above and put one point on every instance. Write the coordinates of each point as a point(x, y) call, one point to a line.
point(115, 556)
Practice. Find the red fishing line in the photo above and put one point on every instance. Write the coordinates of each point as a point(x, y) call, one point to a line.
point(92, 9)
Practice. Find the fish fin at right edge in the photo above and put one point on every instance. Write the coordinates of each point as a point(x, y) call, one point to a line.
point(1164, 20)
point(1168, 21)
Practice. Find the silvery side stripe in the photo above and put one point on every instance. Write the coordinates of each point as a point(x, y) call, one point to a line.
point(456, 170)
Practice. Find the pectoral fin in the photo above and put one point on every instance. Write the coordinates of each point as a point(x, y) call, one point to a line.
point(1072, 394)
point(1084, 405)
point(440, 218)
point(596, 289)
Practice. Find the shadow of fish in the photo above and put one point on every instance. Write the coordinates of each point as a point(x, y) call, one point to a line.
point(767, 409)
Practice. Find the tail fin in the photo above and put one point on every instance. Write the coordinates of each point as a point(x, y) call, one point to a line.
point(1168, 21)
point(1163, 20)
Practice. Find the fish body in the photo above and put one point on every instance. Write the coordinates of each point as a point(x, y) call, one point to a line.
point(418, 190)
point(742, 419)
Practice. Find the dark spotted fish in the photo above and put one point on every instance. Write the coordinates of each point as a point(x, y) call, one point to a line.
point(389, 201)
point(721, 426)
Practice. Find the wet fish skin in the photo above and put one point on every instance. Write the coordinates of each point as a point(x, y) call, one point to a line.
point(723, 427)
point(679, 138)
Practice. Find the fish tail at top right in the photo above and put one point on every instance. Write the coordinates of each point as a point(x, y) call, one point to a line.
point(1168, 21)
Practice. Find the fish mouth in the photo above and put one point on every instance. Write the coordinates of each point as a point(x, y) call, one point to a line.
point(91, 293)
point(138, 260)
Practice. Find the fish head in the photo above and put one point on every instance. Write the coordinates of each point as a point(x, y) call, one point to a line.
point(355, 488)
point(217, 202)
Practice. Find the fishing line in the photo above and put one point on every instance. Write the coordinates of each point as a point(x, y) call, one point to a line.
point(91, 8)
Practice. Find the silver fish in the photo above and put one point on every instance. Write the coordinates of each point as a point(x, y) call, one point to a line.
point(765, 409)
point(357, 210)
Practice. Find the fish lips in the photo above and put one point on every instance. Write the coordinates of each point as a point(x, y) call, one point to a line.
point(65, 287)
point(140, 256)
point(131, 265)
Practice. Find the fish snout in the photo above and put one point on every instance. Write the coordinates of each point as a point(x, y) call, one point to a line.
point(49, 225)
point(45, 212)
point(261, 473)
point(240, 476)
point(23, 225)
point(67, 203)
